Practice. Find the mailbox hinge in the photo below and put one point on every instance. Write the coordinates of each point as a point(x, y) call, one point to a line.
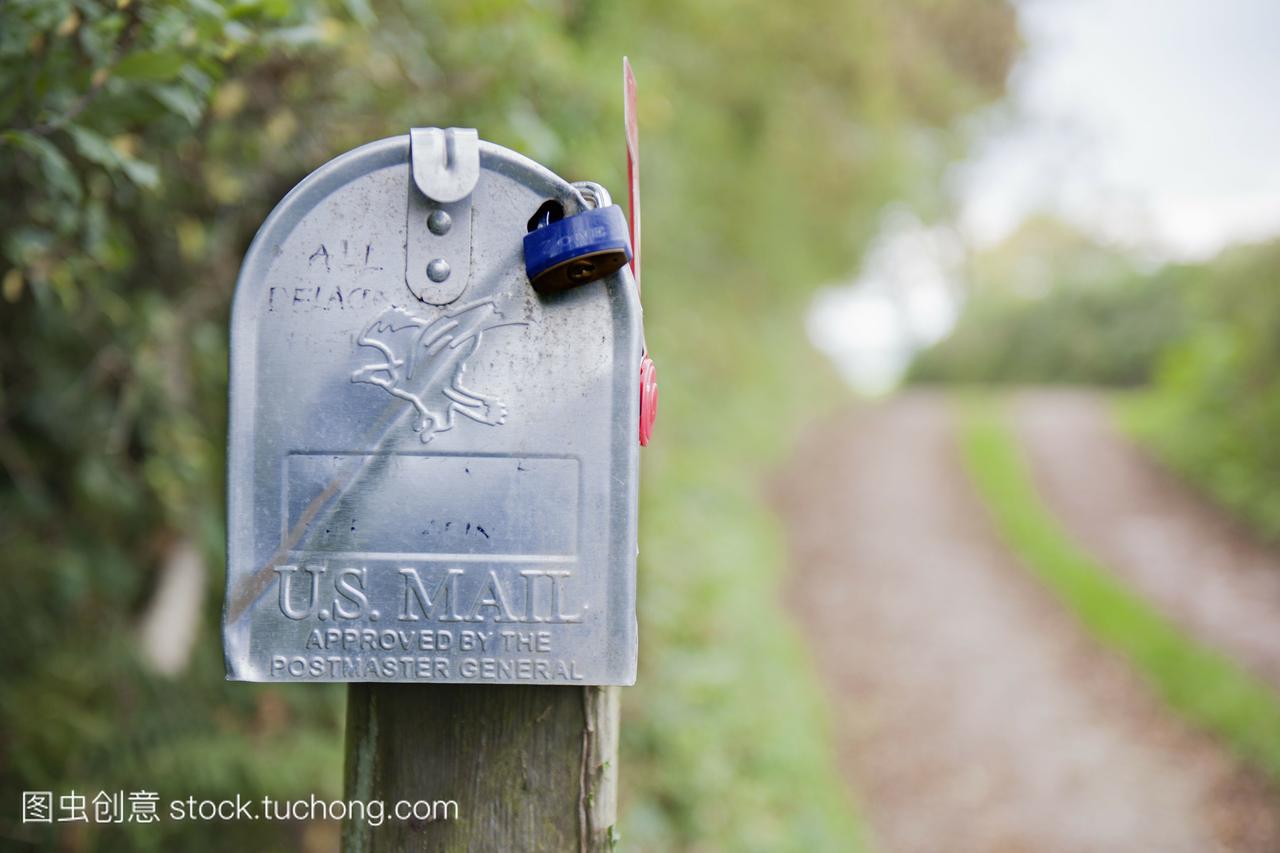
point(444, 166)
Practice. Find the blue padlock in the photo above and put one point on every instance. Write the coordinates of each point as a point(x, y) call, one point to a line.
point(574, 250)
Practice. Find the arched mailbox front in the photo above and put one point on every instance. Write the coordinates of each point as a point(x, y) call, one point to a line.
point(433, 465)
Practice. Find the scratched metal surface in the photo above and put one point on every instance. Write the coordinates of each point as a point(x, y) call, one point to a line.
point(428, 492)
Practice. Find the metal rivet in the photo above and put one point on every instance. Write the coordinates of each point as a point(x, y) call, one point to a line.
point(439, 222)
point(438, 270)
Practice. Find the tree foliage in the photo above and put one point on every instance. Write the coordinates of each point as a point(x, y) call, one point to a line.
point(1051, 305)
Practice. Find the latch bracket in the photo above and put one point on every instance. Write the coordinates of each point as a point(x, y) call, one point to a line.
point(444, 165)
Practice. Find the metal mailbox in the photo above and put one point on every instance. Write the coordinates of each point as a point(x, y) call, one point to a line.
point(433, 465)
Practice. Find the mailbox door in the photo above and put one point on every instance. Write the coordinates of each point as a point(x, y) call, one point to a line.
point(428, 483)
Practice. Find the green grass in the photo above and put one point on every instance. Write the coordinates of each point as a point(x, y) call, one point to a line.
point(726, 742)
point(1207, 688)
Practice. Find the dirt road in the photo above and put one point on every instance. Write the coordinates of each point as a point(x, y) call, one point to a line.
point(1187, 557)
point(971, 712)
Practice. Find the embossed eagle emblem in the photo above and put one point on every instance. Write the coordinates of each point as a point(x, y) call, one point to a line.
point(424, 361)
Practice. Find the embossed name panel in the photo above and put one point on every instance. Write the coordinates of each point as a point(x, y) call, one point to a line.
point(385, 504)
point(432, 468)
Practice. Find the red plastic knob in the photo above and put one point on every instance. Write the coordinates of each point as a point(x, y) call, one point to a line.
point(648, 398)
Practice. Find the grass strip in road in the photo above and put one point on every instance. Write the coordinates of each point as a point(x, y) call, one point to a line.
point(1206, 687)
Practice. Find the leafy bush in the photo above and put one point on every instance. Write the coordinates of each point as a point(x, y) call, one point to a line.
point(118, 238)
point(1214, 412)
point(1050, 306)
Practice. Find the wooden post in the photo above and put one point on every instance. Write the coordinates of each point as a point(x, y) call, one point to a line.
point(531, 767)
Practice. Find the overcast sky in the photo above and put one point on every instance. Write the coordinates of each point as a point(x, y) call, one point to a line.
point(1152, 124)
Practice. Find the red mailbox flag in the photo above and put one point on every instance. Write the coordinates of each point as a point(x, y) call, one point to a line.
point(648, 373)
point(633, 164)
